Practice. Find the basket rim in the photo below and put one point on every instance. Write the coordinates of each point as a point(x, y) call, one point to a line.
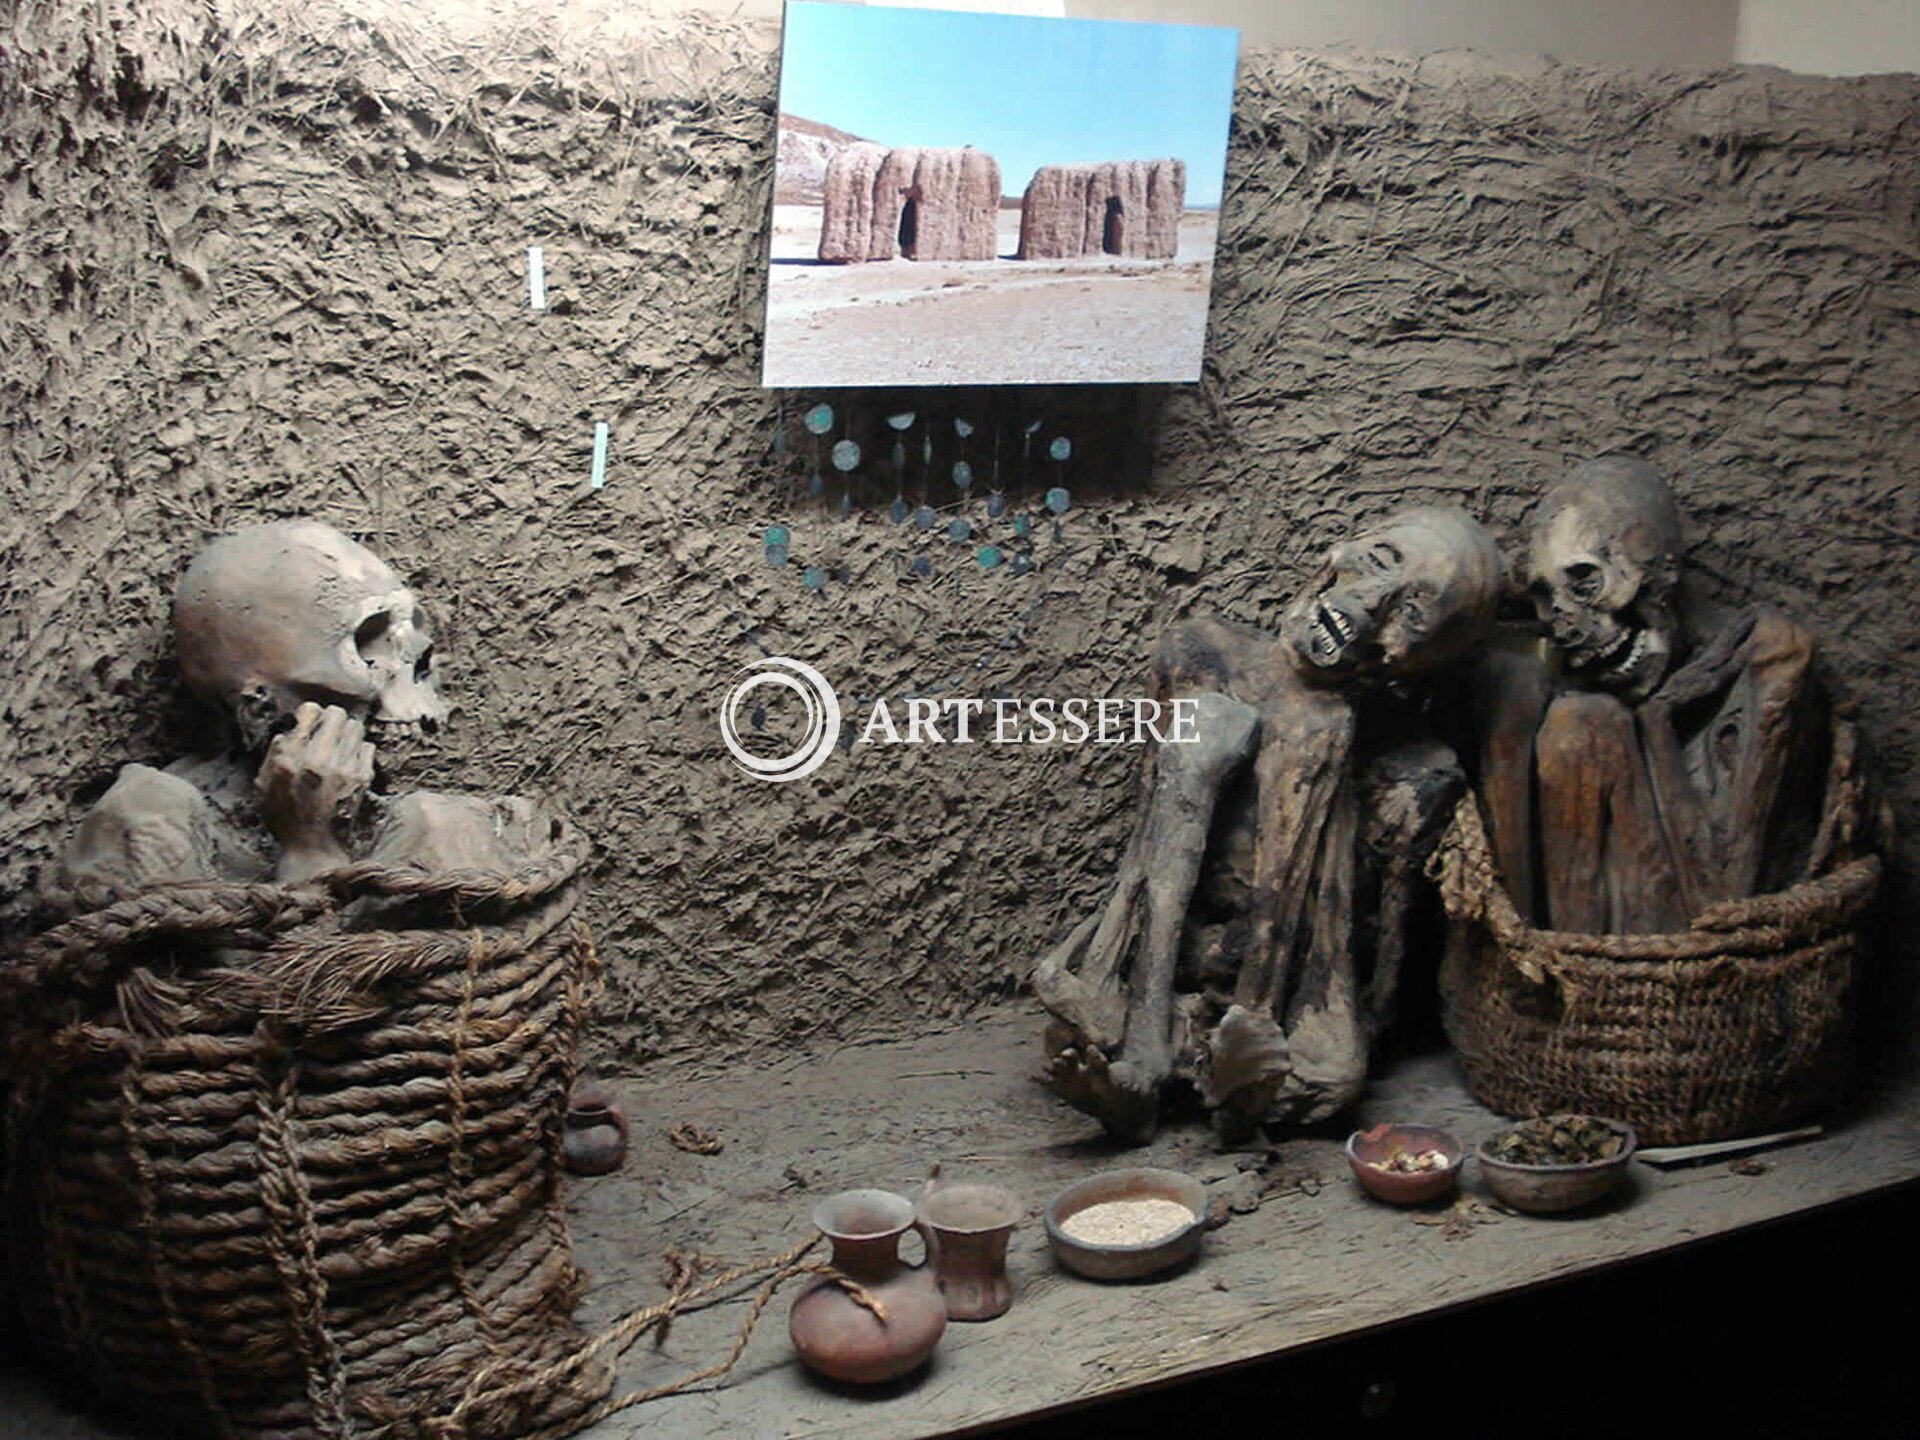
point(1774, 927)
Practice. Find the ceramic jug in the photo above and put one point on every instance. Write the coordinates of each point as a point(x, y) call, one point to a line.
point(840, 1338)
point(596, 1131)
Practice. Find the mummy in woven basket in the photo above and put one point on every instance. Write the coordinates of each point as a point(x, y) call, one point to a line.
point(284, 1099)
point(316, 652)
point(1671, 756)
point(1251, 943)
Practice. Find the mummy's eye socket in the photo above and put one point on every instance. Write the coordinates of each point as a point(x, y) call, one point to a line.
point(1584, 581)
point(371, 629)
point(1383, 557)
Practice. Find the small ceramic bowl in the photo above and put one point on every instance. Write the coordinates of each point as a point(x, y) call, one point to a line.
point(1365, 1148)
point(1549, 1189)
point(1127, 1262)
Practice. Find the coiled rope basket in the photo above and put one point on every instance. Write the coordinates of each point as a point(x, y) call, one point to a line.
point(287, 1162)
point(1738, 1025)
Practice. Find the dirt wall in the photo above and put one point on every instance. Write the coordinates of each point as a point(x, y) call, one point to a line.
point(269, 263)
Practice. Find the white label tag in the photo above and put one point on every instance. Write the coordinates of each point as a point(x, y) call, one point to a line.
point(599, 454)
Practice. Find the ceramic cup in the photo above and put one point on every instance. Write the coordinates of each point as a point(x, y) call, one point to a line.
point(966, 1228)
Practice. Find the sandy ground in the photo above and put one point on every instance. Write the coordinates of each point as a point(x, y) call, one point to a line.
point(906, 322)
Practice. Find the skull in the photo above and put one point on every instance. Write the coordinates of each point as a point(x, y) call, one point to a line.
point(278, 614)
point(1603, 567)
point(1402, 599)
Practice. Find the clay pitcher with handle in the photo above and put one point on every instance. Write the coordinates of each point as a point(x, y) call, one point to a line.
point(840, 1338)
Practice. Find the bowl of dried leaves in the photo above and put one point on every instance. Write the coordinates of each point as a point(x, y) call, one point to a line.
point(1556, 1162)
point(1127, 1224)
point(1405, 1164)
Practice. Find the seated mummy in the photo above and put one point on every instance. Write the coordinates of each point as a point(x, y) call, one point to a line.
point(1251, 944)
point(317, 654)
point(1667, 754)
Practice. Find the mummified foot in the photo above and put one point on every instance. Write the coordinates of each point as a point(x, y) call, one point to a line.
point(1328, 1048)
point(1245, 1065)
point(1113, 1092)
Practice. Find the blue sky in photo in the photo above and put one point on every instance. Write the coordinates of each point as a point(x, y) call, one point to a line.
point(1028, 91)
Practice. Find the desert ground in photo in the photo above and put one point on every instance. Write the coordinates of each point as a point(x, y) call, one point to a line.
point(980, 322)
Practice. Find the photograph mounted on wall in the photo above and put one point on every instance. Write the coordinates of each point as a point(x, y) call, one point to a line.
point(965, 198)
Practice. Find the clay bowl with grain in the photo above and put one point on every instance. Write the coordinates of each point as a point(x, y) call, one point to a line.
point(1160, 1251)
point(1374, 1155)
point(1548, 1189)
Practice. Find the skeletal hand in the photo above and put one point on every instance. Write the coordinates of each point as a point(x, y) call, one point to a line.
point(313, 777)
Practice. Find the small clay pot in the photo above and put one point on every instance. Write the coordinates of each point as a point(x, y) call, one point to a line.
point(1550, 1189)
point(840, 1338)
point(1397, 1188)
point(596, 1138)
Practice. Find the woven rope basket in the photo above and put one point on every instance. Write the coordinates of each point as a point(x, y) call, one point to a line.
point(273, 1171)
point(1739, 1025)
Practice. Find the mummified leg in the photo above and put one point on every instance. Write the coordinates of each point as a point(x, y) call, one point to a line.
point(1088, 978)
point(1334, 1008)
point(1302, 896)
point(1511, 692)
point(1109, 985)
point(1603, 849)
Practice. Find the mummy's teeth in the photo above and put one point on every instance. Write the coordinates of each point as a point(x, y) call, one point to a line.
point(1607, 657)
point(1635, 652)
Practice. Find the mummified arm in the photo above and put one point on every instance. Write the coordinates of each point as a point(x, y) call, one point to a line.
point(1301, 771)
point(1110, 983)
point(1180, 813)
point(1407, 796)
point(309, 785)
point(152, 828)
point(1725, 739)
point(1788, 719)
point(1105, 978)
point(1511, 689)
